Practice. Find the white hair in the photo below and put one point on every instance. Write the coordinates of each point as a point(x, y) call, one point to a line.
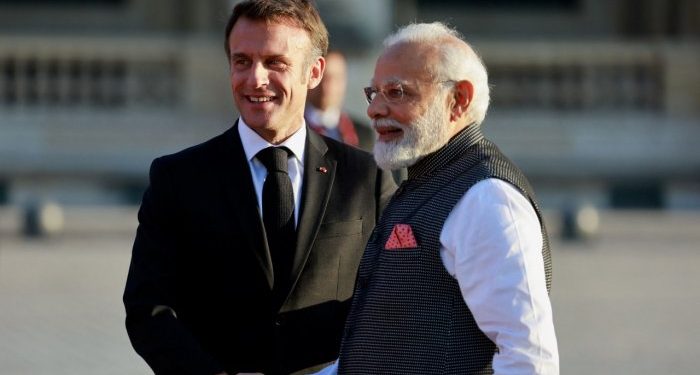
point(458, 60)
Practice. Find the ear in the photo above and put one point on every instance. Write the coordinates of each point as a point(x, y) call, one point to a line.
point(316, 72)
point(462, 98)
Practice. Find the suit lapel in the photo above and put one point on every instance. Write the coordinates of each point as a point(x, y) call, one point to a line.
point(241, 200)
point(319, 173)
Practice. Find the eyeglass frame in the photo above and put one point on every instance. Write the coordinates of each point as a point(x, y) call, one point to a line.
point(371, 92)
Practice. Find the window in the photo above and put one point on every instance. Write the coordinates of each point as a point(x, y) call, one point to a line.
point(637, 195)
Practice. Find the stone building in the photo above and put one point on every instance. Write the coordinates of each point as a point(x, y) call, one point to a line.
point(598, 100)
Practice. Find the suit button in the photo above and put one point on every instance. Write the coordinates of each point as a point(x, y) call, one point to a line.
point(280, 321)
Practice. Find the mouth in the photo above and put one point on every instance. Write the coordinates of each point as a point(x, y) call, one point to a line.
point(388, 133)
point(256, 99)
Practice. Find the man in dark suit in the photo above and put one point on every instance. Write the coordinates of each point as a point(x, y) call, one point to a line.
point(324, 107)
point(213, 286)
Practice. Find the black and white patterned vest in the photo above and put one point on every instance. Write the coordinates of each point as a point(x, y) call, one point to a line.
point(408, 315)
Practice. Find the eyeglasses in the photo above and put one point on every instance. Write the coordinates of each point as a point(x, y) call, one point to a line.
point(393, 92)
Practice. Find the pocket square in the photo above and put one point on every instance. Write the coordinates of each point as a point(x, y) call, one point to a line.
point(401, 238)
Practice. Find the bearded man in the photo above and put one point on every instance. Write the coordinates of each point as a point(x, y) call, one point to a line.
point(456, 275)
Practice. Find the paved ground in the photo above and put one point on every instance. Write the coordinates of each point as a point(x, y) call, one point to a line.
point(626, 303)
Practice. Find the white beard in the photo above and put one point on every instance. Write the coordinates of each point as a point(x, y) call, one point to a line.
point(426, 134)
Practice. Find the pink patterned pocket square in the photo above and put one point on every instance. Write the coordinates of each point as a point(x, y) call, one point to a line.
point(401, 238)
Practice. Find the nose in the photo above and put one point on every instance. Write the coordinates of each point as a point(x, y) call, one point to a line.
point(377, 108)
point(259, 76)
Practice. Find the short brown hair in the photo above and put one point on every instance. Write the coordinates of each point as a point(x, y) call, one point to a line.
point(299, 13)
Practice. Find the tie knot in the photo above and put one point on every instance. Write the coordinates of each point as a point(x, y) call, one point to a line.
point(274, 158)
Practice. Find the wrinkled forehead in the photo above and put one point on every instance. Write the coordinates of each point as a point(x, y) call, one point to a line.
point(405, 63)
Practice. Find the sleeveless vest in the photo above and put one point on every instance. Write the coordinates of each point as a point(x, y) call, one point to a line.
point(408, 315)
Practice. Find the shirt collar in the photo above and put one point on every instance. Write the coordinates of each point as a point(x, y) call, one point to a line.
point(254, 143)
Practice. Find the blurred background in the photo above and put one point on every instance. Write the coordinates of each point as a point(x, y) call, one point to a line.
point(597, 100)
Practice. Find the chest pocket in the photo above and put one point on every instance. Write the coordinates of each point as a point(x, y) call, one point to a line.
point(339, 229)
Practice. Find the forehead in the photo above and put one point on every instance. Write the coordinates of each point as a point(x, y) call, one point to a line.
point(405, 62)
point(267, 37)
point(335, 63)
point(333, 58)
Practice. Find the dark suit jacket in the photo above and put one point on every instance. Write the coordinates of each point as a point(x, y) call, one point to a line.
point(199, 295)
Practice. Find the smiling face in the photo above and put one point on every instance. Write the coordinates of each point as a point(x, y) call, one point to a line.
point(405, 64)
point(271, 71)
point(417, 125)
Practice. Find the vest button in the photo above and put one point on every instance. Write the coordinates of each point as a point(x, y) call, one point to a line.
point(280, 321)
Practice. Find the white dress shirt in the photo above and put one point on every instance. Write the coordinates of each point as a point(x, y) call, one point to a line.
point(254, 143)
point(491, 244)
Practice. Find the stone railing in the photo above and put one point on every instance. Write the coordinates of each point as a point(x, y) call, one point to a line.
point(93, 72)
point(576, 76)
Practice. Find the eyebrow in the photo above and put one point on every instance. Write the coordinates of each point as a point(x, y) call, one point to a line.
point(393, 81)
point(265, 57)
point(277, 56)
point(238, 54)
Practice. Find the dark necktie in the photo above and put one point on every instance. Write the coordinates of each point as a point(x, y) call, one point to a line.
point(278, 212)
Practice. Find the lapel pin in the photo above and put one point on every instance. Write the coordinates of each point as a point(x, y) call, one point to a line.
point(323, 170)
